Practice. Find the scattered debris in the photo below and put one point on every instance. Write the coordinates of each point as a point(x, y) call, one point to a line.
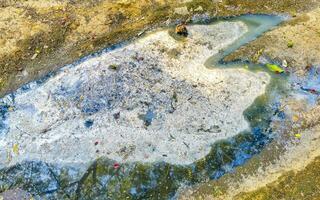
point(141, 33)
point(297, 135)
point(274, 68)
point(116, 115)
point(148, 117)
point(15, 149)
point(257, 55)
point(88, 123)
point(186, 144)
point(311, 90)
point(295, 118)
point(116, 166)
point(290, 44)
point(113, 67)
point(308, 67)
point(34, 56)
point(284, 64)
point(175, 97)
point(181, 29)
point(137, 57)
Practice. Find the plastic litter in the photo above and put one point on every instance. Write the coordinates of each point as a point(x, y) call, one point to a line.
point(274, 68)
point(298, 135)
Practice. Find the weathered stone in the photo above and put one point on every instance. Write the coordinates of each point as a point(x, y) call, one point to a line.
point(182, 30)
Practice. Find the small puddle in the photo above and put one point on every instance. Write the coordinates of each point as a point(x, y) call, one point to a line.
point(106, 179)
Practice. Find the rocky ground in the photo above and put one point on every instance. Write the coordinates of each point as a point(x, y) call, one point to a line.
point(38, 37)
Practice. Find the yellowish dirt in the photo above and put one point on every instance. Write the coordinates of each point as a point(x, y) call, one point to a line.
point(296, 42)
point(16, 26)
point(39, 36)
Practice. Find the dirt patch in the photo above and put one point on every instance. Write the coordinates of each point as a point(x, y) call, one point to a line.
point(304, 184)
point(38, 37)
point(296, 42)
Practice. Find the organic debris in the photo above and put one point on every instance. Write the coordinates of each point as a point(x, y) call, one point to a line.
point(113, 67)
point(311, 90)
point(295, 118)
point(15, 149)
point(290, 44)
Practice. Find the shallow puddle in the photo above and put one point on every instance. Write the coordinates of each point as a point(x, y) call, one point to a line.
point(107, 178)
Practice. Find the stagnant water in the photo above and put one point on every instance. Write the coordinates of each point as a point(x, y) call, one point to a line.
point(106, 180)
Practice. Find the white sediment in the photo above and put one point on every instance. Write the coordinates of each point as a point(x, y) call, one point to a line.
point(192, 106)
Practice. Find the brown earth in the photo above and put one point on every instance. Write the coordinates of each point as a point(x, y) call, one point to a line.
point(297, 42)
point(37, 36)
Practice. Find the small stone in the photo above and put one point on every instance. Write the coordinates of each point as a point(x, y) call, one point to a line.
point(113, 67)
point(295, 118)
point(116, 115)
point(88, 123)
point(199, 9)
point(284, 64)
point(181, 29)
point(181, 11)
point(34, 56)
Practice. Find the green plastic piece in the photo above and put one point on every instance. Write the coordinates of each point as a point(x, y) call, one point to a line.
point(274, 68)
